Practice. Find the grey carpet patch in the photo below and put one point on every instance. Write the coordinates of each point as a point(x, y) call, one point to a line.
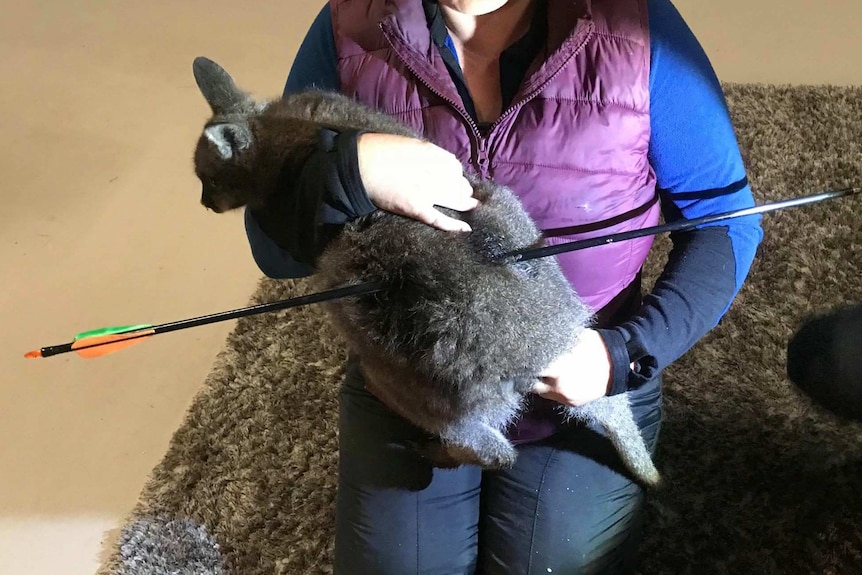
point(171, 547)
point(758, 480)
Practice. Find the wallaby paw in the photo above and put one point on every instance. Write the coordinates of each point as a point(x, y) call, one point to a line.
point(502, 458)
point(436, 453)
point(449, 455)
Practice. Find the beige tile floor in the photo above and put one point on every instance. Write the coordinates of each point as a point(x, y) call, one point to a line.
point(100, 226)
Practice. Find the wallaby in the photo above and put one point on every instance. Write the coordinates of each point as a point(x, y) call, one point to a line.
point(457, 336)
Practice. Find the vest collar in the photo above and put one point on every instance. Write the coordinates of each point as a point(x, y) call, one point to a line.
point(570, 26)
point(407, 29)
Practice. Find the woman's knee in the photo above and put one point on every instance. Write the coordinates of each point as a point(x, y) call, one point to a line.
point(608, 548)
point(560, 511)
point(398, 531)
point(394, 512)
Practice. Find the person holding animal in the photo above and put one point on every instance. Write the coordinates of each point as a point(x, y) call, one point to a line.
point(458, 326)
point(601, 115)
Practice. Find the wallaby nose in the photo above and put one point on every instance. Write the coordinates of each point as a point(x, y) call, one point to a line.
point(209, 203)
point(211, 206)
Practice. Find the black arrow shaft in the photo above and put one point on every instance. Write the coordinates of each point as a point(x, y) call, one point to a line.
point(681, 225)
point(518, 255)
point(353, 290)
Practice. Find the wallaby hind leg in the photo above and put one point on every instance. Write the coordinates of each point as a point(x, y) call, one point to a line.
point(469, 443)
point(614, 415)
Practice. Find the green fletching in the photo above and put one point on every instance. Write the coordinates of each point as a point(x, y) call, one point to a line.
point(111, 330)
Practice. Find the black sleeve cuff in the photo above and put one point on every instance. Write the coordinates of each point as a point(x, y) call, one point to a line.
point(347, 162)
point(620, 362)
point(322, 194)
point(646, 366)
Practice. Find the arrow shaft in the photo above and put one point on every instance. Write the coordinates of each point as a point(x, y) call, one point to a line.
point(518, 255)
point(50, 350)
point(353, 290)
point(681, 225)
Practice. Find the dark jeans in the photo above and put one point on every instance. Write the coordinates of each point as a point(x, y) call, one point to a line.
point(565, 508)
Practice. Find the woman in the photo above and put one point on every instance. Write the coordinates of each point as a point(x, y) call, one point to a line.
point(600, 115)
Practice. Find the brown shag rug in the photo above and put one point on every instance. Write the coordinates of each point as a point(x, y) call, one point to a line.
point(758, 480)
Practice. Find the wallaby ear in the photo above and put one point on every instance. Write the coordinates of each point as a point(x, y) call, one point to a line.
point(219, 89)
point(229, 139)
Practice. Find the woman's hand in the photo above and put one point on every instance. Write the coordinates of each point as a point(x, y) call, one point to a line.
point(579, 376)
point(410, 177)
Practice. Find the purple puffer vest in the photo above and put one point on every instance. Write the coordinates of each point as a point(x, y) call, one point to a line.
point(573, 144)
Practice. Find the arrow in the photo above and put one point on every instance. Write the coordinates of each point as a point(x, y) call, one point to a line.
point(680, 225)
point(99, 342)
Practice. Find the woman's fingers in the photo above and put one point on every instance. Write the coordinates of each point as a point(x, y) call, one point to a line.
point(410, 177)
point(455, 200)
point(439, 220)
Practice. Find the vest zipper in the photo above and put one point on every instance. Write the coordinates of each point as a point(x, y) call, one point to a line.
point(481, 143)
point(482, 156)
point(535, 92)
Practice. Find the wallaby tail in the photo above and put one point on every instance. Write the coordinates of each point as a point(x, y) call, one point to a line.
point(633, 450)
point(614, 415)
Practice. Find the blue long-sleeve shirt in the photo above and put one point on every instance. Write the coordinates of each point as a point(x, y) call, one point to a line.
point(694, 153)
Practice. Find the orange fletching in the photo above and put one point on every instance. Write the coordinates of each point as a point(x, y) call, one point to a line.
point(98, 346)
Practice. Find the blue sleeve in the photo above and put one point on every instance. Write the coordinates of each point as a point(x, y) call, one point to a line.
point(693, 147)
point(699, 171)
point(314, 66)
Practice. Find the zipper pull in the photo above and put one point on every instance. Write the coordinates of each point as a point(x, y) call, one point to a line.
point(482, 156)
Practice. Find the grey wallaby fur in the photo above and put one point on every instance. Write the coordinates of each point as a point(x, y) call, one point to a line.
point(454, 341)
